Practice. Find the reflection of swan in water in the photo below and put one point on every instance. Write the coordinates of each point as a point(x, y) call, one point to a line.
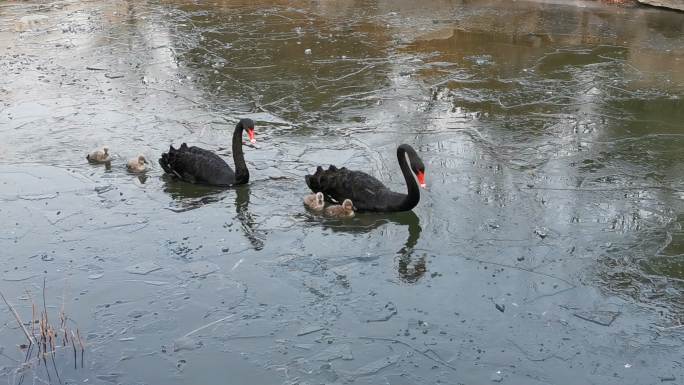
point(142, 178)
point(188, 196)
point(410, 268)
point(246, 219)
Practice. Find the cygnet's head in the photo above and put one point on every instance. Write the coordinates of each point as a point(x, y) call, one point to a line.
point(141, 159)
point(348, 205)
point(320, 199)
point(106, 150)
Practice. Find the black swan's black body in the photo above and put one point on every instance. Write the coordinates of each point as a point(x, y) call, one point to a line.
point(197, 165)
point(366, 192)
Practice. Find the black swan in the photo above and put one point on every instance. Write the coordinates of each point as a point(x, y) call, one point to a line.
point(315, 201)
point(368, 193)
point(345, 210)
point(197, 165)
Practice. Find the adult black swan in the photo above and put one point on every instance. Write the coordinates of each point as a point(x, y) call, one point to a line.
point(368, 193)
point(197, 165)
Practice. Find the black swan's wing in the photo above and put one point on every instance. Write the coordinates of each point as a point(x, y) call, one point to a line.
point(366, 192)
point(197, 165)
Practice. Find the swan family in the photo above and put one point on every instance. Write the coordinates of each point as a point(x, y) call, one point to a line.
point(366, 192)
point(346, 190)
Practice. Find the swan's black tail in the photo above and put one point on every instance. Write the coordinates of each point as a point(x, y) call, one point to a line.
point(172, 161)
point(326, 180)
point(165, 160)
point(314, 181)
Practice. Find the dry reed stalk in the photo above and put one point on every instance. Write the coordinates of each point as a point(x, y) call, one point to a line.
point(45, 336)
point(33, 318)
point(80, 342)
point(16, 316)
point(44, 303)
point(73, 344)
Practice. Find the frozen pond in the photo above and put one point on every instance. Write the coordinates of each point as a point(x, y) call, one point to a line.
point(548, 248)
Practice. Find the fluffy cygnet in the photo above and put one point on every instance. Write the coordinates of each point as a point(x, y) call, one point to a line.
point(314, 201)
point(100, 155)
point(137, 164)
point(345, 210)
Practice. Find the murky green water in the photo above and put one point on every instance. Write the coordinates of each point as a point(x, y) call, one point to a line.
point(552, 136)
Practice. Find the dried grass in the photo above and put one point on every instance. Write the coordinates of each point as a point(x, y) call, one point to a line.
point(43, 339)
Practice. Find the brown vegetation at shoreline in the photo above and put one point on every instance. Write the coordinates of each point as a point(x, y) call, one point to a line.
point(43, 339)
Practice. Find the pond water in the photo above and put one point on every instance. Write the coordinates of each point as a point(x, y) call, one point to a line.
point(547, 249)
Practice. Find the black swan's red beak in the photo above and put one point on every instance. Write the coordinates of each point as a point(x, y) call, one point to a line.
point(421, 179)
point(250, 133)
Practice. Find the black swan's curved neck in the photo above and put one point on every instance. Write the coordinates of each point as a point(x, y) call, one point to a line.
point(411, 199)
point(241, 172)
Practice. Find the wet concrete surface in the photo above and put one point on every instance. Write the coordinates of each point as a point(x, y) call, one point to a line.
point(547, 250)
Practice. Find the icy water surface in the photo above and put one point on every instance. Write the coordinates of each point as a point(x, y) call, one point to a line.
point(548, 248)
